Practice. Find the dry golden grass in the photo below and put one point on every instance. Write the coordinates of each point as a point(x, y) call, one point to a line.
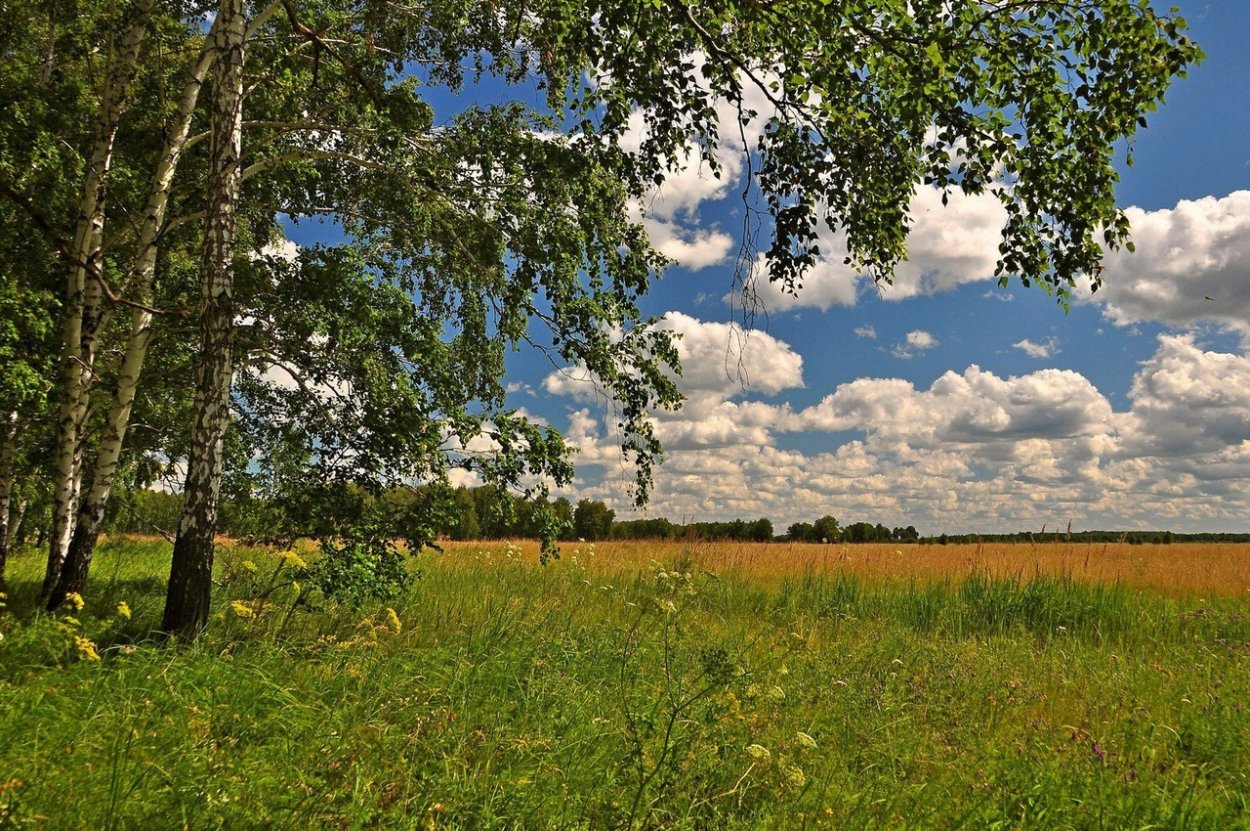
point(1183, 569)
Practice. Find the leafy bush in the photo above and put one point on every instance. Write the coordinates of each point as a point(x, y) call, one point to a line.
point(357, 570)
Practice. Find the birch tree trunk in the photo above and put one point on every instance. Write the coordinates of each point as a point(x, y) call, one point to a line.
point(17, 516)
point(91, 510)
point(190, 577)
point(8, 452)
point(83, 294)
point(86, 532)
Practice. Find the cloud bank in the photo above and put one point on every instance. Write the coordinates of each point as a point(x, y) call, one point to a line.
point(971, 451)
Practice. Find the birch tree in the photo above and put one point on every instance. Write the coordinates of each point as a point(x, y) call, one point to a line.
point(140, 284)
point(83, 310)
point(186, 605)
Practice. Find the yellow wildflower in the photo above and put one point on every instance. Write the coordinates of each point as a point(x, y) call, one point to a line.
point(393, 620)
point(294, 560)
point(804, 740)
point(758, 751)
point(248, 565)
point(74, 601)
point(123, 609)
point(86, 649)
point(241, 609)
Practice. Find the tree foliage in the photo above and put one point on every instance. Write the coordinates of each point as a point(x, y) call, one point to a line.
point(592, 520)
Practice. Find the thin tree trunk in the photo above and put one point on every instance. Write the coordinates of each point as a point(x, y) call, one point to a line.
point(91, 510)
point(83, 294)
point(17, 517)
point(190, 577)
point(8, 452)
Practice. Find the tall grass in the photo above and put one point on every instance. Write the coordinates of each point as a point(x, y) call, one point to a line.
point(642, 691)
point(1177, 570)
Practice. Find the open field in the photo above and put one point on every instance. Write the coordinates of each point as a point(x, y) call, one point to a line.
point(646, 686)
point(1178, 570)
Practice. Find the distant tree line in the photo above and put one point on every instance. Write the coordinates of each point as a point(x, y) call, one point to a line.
point(1130, 537)
point(459, 514)
point(486, 513)
point(483, 513)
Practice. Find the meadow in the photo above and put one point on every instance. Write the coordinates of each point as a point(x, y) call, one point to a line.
point(649, 686)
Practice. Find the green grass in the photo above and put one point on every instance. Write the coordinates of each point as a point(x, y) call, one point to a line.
point(517, 696)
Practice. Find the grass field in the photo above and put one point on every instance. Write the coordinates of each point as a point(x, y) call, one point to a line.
point(646, 686)
point(1176, 570)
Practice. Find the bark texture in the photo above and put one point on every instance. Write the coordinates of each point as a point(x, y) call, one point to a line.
point(190, 577)
point(83, 292)
point(77, 563)
point(17, 521)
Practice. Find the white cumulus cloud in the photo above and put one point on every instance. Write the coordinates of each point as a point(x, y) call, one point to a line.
point(916, 341)
point(948, 245)
point(1192, 265)
point(723, 359)
point(692, 247)
point(1046, 349)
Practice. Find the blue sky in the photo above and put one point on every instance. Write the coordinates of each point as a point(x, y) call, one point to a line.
point(944, 401)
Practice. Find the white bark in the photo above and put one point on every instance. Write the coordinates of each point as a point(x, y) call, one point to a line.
point(17, 515)
point(83, 291)
point(190, 579)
